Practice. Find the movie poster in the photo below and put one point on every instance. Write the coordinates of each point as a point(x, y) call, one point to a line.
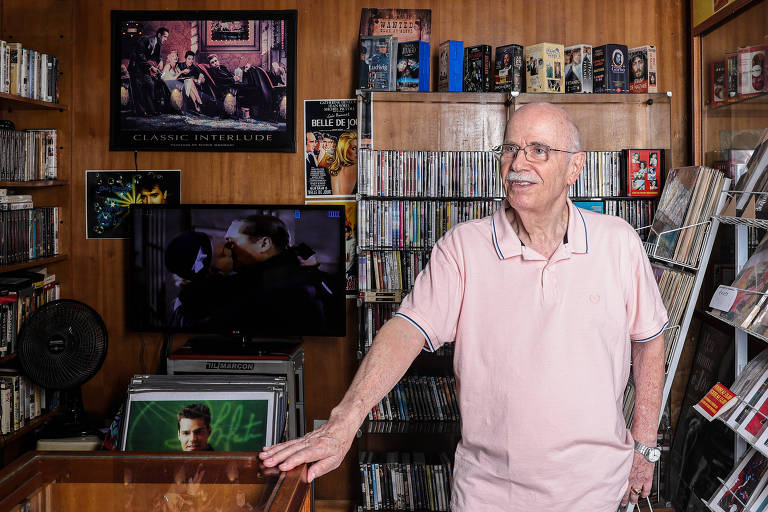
point(330, 152)
point(203, 81)
point(404, 24)
point(109, 195)
point(350, 241)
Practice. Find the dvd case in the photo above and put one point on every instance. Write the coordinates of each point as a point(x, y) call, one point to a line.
point(377, 62)
point(578, 68)
point(610, 68)
point(643, 170)
point(477, 68)
point(509, 68)
point(544, 68)
point(643, 69)
point(413, 66)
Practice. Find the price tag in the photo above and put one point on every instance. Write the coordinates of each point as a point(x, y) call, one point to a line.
point(723, 298)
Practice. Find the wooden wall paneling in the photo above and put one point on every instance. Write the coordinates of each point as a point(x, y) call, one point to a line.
point(326, 69)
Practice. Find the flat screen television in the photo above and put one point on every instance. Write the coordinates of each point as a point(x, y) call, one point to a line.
point(266, 272)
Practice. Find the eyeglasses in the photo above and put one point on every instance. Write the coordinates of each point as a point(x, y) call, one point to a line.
point(533, 152)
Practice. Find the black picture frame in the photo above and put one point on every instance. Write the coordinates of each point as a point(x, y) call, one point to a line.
point(247, 103)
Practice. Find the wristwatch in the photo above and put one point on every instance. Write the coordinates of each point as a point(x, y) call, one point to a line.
point(650, 454)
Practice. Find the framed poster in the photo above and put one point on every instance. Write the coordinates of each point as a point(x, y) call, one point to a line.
point(203, 81)
point(110, 194)
point(330, 138)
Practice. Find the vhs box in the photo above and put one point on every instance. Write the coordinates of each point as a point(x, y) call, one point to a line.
point(544, 68)
point(413, 66)
point(477, 68)
point(509, 68)
point(450, 67)
point(578, 68)
point(643, 69)
point(610, 68)
point(378, 62)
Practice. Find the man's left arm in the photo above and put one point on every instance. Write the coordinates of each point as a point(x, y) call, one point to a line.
point(648, 376)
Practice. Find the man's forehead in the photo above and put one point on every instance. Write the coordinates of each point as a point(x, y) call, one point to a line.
point(540, 126)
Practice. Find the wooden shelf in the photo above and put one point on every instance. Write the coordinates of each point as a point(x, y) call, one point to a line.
point(623, 98)
point(504, 98)
point(499, 98)
point(433, 427)
point(11, 101)
point(34, 263)
point(612, 198)
point(29, 427)
point(33, 184)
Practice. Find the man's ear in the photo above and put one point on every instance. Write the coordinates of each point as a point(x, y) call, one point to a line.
point(575, 166)
point(165, 194)
point(266, 244)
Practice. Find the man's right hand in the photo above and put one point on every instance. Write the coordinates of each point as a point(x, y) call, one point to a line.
point(325, 446)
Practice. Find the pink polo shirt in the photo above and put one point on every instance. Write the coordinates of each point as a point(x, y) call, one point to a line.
point(541, 359)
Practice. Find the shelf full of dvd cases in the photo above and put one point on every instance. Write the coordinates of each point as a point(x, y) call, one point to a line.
point(33, 201)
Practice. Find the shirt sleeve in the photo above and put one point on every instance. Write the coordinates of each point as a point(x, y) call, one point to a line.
point(434, 303)
point(646, 313)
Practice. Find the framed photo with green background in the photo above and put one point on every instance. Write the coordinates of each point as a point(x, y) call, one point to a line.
point(218, 420)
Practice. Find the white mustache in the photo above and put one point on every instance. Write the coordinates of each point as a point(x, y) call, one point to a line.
point(513, 176)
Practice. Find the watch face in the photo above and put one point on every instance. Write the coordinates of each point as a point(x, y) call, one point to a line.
point(654, 454)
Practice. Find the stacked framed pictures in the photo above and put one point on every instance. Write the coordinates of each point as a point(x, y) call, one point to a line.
point(204, 413)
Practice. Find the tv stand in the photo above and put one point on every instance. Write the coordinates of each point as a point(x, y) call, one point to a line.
point(243, 345)
point(224, 355)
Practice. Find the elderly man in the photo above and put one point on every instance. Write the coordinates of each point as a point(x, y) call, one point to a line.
point(546, 304)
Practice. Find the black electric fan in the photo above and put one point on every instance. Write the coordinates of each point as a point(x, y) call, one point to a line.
point(61, 346)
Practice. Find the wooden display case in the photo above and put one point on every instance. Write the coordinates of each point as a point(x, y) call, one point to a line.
point(100, 481)
point(718, 127)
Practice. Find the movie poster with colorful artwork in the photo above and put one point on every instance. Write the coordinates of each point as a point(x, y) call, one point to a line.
point(109, 195)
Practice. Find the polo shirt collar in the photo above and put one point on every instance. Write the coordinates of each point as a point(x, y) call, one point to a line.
point(507, 244)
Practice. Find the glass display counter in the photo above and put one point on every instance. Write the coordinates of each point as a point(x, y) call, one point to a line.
point(133, 481)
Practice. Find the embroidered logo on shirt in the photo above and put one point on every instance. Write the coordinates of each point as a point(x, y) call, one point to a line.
point(594, 298)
